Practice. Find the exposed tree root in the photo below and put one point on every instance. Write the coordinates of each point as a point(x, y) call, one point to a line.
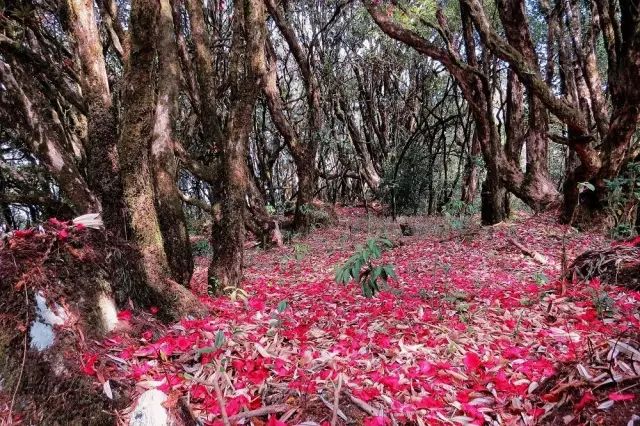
point(617, 265)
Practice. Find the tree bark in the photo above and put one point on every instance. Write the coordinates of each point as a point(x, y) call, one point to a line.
point(167, 199)
point(43, 144)
point(205, 75)
point(495, 207)
point(470, 185)
point(368, 169)
point(304, 155)
point(494, 202)
point(102, 154)
point(137, 179)
point(246, 66)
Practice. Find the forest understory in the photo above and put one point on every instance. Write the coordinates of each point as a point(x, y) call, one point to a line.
point(472, 331)
point(319, 212)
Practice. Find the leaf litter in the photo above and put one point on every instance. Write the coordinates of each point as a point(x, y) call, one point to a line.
point(472, 331)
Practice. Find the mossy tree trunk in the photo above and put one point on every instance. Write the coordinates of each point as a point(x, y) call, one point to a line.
point(171, 216)
point(246, 66)
point(135, 165)
point(102, 122)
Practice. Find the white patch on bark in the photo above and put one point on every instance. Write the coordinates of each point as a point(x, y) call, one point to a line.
point(42, 336)
point(56, 158)
point(41, 331)
point(149, 410)
point(108, 312)
point(47, 315)
point(161, 126)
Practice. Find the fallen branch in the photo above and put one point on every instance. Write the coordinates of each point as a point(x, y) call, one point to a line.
point(336, 401)
point(220, 397)
point(332, 407)
point(364, 406)
point(259, 412)
point(531, 253)
point(610, 382)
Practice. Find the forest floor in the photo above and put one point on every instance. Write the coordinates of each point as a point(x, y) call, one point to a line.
point(473, 331)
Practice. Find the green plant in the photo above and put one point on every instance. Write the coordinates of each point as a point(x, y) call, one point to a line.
point(201, 248)
point(275, 322)
point(623, 196)
point(454, 208)
point(218, 343)
point(622, 231)
point(604, 304)
point(540, 278)
point(300, 251)
point(213, 286)
point(315, 214)
point(360, 268)
point(458, 214)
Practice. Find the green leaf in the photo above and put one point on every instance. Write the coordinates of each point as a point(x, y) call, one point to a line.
point(219, 339)
point(282, 306)
point(206, 350)
point(386, 242)
point(375, 250)
point(366, 290)
point(388, 269)
point(586, 185)
point(375, 273)
point(355, 269)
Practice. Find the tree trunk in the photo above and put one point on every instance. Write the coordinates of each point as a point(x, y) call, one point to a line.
point(168, 202)
point(304, 154)
point(137, 179)
point(102, 135)
point(307, 176)
point(366, 163)
point(246, 66)
point(470, 184)
point(205, 75)
point(495, 205)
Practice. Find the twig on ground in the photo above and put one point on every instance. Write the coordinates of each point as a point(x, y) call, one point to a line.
point(259, 412)
point(337, 412)
point(331, 407)
point(531, 253)
point(220, 397)
point(363, 405)
point(24, 356)
point(336, 401)
point(635, 379)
